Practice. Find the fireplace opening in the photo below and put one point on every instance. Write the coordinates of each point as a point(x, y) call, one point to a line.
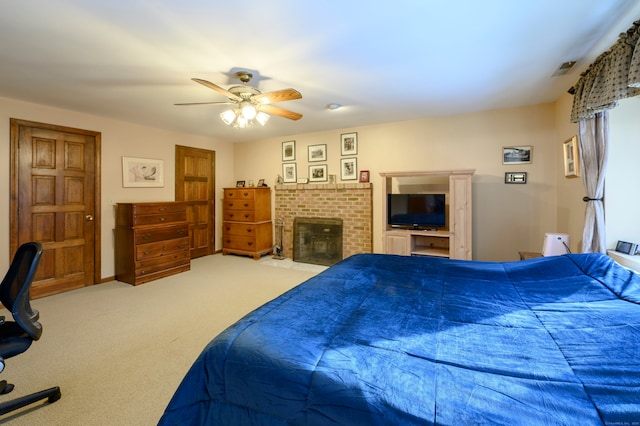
point(317, 240)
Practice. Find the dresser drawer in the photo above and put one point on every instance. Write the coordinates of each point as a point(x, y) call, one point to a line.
point(239, 242)
point(156, 233)
point(241, 194)
point(239, 216)
point(242, 229)
point(239, 205)
point(161, 218)
point(169, 261)
point(159, 208)
point(161, 248)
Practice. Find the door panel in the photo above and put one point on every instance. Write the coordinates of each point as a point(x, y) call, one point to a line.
point(54, 175)
point(195, 184)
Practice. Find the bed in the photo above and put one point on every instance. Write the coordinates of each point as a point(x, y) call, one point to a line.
point(383, 339)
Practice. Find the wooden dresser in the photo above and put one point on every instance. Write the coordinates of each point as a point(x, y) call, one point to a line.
point(246, 227)
point(151, 241)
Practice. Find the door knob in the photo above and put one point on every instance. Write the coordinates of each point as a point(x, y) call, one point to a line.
point(88, 218)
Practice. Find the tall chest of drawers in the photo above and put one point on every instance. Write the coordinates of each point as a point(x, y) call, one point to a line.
point(246, 227)
point(151, 241)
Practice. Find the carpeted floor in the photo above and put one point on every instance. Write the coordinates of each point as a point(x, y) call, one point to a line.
point(118, 352)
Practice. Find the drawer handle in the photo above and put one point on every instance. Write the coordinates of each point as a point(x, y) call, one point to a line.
point(162, 209)
point(146, 236)
point(230, 194)
point(246, 215)
point(228, 228)
point(147, 252)
point(181, 231)
point(249, 230)
point(230, 214)
point(246, 204)
point(246, 194)
point(162, 219)
point(181, 246)
point(249, 243)
point(230, 204)
point(228, 241)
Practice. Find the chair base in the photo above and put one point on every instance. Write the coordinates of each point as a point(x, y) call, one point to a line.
point(53, 394)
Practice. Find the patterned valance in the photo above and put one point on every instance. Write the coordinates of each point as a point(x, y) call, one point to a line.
point(614, 75)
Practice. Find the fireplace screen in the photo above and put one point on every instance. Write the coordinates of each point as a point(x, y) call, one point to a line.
point(317, 240)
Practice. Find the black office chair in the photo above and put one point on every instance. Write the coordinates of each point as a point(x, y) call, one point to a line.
point(16, 336)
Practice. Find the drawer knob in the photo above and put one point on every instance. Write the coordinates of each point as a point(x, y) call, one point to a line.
point(246, 215)
point(250, 243)
point(162, 219)
point(249, 230)
point(246, 204)
point(147, 252)
point(228, 241)
point(161, 209)
point(181, 231)
point(146, 236)
point(230, 204)
point(231, 194)
point(246, 194)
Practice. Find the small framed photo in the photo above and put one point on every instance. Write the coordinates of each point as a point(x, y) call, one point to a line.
point(349, 168)
point(289, 173)
point(318, 173)
point(517, 154)
point(261, 183)
point(349, 143)
point(240, 184)
point(364, 176)
point(571, 160)
point(142, 172)
point(317, 153)
point(289, 151)
point(515, 177)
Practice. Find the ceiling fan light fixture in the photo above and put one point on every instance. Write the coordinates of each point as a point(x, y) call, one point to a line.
point(248, 110)
point(262, 118)
point(241, 122)
point(228, 116)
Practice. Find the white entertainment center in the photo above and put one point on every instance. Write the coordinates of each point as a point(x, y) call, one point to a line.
point(454, 240)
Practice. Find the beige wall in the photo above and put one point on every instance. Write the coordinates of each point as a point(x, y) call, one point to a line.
point(118, 139)
point(570, 207)
point(507, 218)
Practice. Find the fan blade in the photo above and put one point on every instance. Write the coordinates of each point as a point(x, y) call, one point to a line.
point(278, 96)
point(281, 112)
point(218, 89)
point(205, 103)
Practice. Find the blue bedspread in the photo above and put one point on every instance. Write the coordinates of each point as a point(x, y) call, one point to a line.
point(390, 340)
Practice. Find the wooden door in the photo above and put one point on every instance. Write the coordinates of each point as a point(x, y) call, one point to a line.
point(195, 184)
point(55, 199)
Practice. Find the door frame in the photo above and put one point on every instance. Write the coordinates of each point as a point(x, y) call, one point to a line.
point(15, 124)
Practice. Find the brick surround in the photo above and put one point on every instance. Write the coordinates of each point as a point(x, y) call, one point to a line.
point(351, 202)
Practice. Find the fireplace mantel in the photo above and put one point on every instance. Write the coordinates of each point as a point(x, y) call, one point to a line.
point(352, 202)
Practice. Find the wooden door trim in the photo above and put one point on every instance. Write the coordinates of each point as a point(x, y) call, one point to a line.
point(15, 124)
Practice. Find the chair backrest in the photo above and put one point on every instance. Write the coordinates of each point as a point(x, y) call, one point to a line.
point(14, 289)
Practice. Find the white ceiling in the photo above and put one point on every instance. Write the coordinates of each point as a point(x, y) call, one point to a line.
point(385, 61)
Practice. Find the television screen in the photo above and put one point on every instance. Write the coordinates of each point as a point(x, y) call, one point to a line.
point(416, 210)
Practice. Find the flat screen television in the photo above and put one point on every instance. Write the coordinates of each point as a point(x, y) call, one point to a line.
point(416, 211)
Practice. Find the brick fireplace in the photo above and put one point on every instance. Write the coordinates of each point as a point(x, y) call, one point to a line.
point(351, 202)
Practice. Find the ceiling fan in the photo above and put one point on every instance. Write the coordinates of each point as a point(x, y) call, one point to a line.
point(249, 103)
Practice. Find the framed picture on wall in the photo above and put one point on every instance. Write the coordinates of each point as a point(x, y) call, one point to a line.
point(517, 154)
point(349, 143)
point(142, 172)
point(571, 160)
point(317, 153)
point(288, 151)
point(289, 173)
point(349, 168)
point(318, 173)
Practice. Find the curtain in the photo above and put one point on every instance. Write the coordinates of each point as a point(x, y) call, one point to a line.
point(614, 75)
point(593, 143)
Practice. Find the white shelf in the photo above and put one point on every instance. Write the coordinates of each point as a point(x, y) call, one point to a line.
point(626, 260)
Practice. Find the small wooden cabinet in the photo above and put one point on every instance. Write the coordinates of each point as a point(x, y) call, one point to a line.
point(246, 227)
point(151, 241)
